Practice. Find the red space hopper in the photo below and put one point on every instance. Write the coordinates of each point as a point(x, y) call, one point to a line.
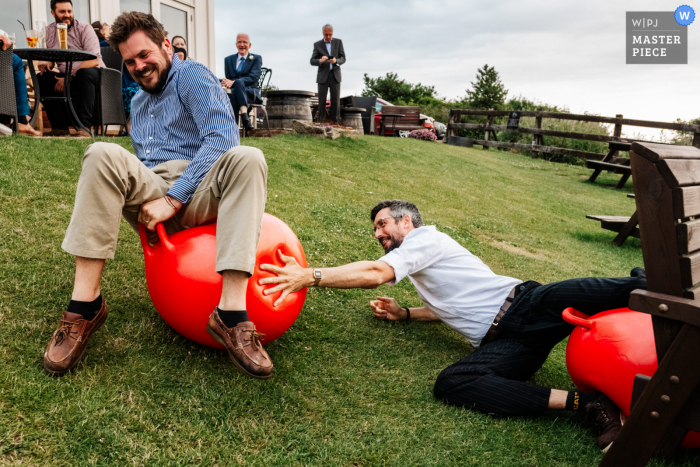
point(606, 351)
point(185, 288)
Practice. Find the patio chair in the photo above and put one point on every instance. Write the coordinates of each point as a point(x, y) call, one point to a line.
point(8, 101)
point(110, 105)
point(265, 75)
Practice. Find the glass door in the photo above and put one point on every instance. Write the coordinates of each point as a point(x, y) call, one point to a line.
point(178, 20)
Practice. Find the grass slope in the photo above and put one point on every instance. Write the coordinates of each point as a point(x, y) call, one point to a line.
point(347, 389)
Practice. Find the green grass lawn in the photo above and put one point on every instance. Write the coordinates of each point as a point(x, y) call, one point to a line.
point(347, 389)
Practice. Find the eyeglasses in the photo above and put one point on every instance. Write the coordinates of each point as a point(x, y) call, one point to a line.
point(381, 223)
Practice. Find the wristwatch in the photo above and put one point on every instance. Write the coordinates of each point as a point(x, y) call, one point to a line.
point(317, 277)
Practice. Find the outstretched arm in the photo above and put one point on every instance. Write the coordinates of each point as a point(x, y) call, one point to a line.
point(387, 308)
point(292, 277)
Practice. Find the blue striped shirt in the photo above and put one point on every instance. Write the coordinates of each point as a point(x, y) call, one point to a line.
point(191, 119)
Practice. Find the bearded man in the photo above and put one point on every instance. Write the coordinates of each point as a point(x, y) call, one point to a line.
point(81, 36)
point(512, 324)
point(188, 170)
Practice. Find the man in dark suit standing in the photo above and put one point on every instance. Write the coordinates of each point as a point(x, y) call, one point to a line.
point(328, 55)
point(242, 72)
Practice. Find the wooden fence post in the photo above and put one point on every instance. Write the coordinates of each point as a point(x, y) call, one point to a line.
point(487, 132)
point(454, 118)
point(617, 132)
point(539, 139)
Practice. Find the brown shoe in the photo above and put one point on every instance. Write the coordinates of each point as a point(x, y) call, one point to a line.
point(243, 345)
point(69, 341)
point(59, 132)
point(80, 133)
point(607, 420)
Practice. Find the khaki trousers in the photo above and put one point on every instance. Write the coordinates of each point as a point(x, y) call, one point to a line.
point(115, 183)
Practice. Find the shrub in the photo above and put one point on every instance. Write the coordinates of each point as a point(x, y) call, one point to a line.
point(425, 135)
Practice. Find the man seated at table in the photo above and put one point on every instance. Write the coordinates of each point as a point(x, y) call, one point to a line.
point(242, 74)
point(513, 325)
point(189, 170)
point(81, 36)
point(20, 89)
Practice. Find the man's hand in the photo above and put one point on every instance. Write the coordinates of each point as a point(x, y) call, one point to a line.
point(323, 59)
point(158, 210)
point(44, 66)
point(227, 83)
point(290, 278)
point(332, 60)
point(59, 84)
point(387, 308)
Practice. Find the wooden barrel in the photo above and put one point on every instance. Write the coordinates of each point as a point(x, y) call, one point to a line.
point(283, 107)
point(352, 117)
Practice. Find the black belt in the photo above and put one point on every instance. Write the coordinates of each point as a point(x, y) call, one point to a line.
point(491, 333)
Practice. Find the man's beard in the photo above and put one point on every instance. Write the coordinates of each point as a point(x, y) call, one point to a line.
point(162, 76)
point(393, 244)
point(70, 23)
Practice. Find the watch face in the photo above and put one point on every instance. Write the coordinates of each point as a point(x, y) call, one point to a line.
point(317, 274)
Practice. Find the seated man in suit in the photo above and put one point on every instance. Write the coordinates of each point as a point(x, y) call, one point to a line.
point(242, 74)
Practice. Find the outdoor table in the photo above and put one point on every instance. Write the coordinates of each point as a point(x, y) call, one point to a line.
point(56, 55)
point(383, 117)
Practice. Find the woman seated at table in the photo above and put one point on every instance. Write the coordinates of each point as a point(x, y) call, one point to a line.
point(20, 89)
point(102, 31)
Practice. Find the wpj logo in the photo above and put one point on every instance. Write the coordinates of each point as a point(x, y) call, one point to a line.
point(656, 37)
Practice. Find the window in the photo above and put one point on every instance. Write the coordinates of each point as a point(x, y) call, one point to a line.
point(144, 6)
point(13, 10)
point(81, 11)
point(175, 22)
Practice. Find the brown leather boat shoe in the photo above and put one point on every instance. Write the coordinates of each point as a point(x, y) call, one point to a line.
point(243, 345)
point(69, 341)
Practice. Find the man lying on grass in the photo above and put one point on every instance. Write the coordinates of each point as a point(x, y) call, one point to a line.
point(188, 169)
point(513, 324)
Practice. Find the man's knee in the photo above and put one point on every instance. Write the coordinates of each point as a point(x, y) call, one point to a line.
point(239, 84)
point(249, 160)
point(453, 382)
point(99, 155)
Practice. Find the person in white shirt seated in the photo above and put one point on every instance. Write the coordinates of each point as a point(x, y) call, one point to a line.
point(512, 324)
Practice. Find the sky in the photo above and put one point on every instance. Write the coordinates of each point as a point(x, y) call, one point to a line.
point(569, 54)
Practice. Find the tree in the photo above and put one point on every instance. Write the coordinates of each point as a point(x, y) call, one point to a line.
point(488, 92)
point(395, 90)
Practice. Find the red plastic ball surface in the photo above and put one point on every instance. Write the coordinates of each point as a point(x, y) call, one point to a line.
point(185, 288)
point(606, 351)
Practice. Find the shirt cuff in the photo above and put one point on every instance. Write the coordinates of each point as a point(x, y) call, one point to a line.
point(399, 266)
point(182, 190)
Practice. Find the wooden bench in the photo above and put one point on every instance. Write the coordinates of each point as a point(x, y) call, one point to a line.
point(606, 164)
point(624, 226)
point(667, 405)
point(411, 121)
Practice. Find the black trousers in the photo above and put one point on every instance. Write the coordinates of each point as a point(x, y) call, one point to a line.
point(238, 96)
point(492, 378)
point(323, 88)
point(83, 87)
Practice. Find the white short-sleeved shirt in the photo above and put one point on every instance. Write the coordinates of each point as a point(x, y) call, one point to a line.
point(453, 283)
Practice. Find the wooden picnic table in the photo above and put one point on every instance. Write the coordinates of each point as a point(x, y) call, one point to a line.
point(606, 164)
point(624, 226)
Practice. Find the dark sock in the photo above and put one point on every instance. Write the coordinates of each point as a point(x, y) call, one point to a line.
point(577, 400)
point(87, 309)
point(232, 317)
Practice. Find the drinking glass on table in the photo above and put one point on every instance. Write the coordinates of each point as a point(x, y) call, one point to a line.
point(62, 31)
point(40, 28)
point(32, 38)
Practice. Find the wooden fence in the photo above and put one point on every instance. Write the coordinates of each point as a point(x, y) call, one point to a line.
point(539, 133)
